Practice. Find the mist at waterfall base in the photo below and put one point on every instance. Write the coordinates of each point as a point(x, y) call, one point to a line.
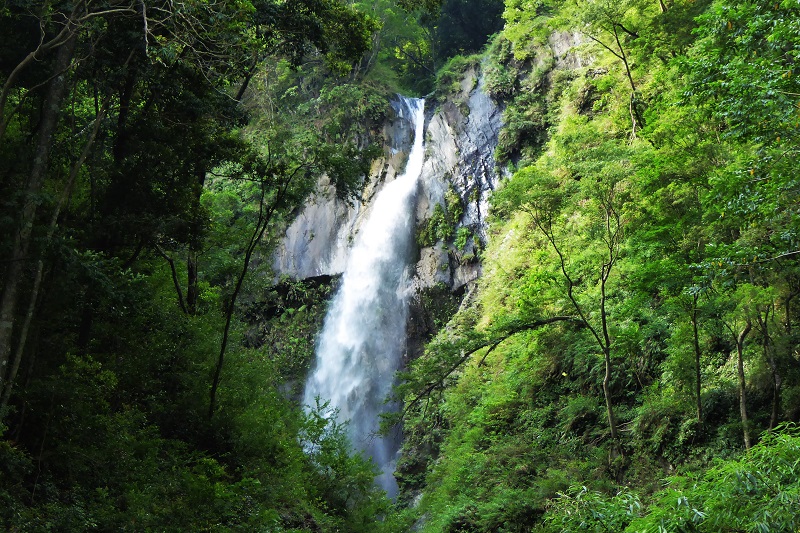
point(364, 335)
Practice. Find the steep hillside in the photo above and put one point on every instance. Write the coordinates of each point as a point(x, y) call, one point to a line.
point(635, 326)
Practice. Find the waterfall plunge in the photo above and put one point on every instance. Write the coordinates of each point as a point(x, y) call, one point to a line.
point(364, 336)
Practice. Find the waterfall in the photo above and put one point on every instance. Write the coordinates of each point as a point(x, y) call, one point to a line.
point(363, 337)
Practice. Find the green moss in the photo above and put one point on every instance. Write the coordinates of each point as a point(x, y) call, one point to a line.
point(441, 225)
point(462, 237)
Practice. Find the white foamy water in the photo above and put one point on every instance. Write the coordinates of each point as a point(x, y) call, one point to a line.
point(364, 336)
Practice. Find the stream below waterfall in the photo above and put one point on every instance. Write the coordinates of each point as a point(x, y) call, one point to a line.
point(364, 335)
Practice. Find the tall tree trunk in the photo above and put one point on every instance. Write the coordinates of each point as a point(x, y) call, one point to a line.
point(697, 353)
point(265, 214)
point(23, 236)
point(624, 57)
point(66, 193)
point(636, 117)
point(264, 217)
point(175, 281)
point(742, 391)
point(192, 289)
point(120, 147)
point(5, 392)
point(612, 420)
point(769, 355)
point(602, 337)
point(777, 381)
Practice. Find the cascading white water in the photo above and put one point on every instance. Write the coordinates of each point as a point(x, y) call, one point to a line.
point(363, 338)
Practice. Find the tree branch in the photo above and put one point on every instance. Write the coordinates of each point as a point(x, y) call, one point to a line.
point(264, 218)
point(175, 280)
point(570, 283)
point(491, 344)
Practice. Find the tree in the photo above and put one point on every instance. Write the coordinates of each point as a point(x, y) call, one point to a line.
point(164, 76)
point(578, 204)
point(688, 305)
point(604, 19)
point(278, 186)
point(56, 90)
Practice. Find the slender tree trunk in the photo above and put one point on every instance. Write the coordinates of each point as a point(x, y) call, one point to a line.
point(602, 336)
point(33, 351)
point(23, 236)
point(776, 394)
point(697, 354)
point(248, 76)
point(619, 53)
point(636, 118)
point(624, 57)
point(23, 337)
point(255, 238)
point(120, 147)
point(192, 289)
point(66, 193)
point(612, 421)
point(769, 355)
point(175, 281)
point(265, 214)
point(742, 391)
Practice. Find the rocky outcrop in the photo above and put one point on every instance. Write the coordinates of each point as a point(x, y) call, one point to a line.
point(461, 139)
point(317, 241)
point(461, 135)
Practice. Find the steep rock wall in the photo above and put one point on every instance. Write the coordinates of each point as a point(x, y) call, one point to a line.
point(317, 241)
point(461, 135)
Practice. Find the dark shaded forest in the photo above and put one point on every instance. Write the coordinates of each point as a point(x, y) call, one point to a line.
point(629, 360)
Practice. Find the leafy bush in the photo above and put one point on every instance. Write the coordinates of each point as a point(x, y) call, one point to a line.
point(758, 491)
point(442, 223)
point(451, 75)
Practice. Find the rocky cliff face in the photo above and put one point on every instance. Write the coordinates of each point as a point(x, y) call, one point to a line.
point(461, 135)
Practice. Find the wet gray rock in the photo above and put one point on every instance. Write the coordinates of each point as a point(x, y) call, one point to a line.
point(461, 136)
point(565, 46)
point(317, 241)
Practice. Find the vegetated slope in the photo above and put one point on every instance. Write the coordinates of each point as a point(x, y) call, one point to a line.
point(630, 362)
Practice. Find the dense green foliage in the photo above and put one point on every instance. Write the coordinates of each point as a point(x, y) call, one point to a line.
point(628, 362)
point(441, 225)
point(417, 38)
point(148, 369)
point(632, 350)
